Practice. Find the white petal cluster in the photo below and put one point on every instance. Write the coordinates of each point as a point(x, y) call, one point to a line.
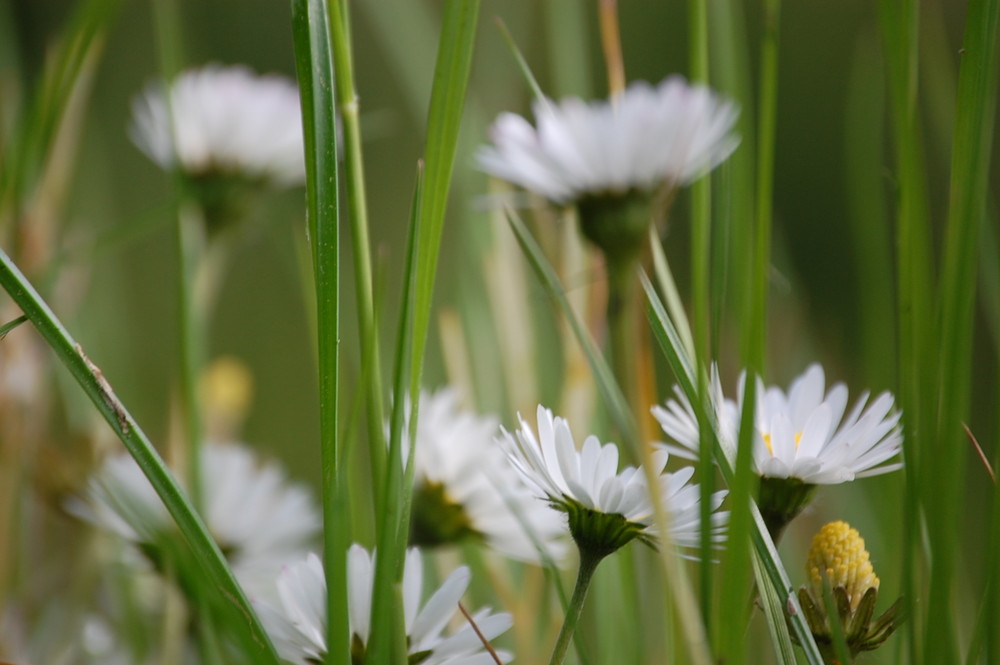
point(252, 510)
point(299, 627)
point(223, 119)
point(589, 478)
point(803, 433)
point(647, 137)
point(455, 449)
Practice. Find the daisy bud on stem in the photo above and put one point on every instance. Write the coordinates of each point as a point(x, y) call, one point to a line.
point(839, 565)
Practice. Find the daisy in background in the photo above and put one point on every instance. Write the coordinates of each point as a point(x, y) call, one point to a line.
point(226, 129)
point(614, 158)
point(606, 509)
point(259, 519)
point(619, 162)
point(298, 628)
point(465, 488)
point(801, 438)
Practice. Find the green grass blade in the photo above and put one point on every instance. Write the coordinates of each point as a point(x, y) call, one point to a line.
point(97, 388)
point(357, 218)
point(314, 65)
point(774, 612)
point(973, 140)
point(900, 22)
point(392, 540)
point(451, 79)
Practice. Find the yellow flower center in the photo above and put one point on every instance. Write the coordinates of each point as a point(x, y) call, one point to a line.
point(767, 441)
point(839, 552)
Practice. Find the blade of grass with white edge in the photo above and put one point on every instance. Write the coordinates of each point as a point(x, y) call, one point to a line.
point(96, 386)
point(775, 617)
point(970, 170)
point(314, 66)
point(771, 565)
point(451, 79)
point(678, 583)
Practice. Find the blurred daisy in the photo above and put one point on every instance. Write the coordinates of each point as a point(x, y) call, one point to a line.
point(299, 627)
point(646, 138)
point(464, 487)
point(259, 519)
point(223, 121)
point(802, 438)
point(606, 509)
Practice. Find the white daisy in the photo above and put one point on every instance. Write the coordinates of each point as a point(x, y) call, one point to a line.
point(803, 434)
point(644, 139)
point(223, 120)
point(259, 519)
point(586, 485)
point(299, 628)
point(465, 486)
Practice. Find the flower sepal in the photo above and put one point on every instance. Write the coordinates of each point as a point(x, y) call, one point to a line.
point(781, 500)
point(861, 633)
point(600, 534)
point(617, 222)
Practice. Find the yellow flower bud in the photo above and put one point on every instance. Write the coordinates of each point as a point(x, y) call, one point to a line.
point(838, 551)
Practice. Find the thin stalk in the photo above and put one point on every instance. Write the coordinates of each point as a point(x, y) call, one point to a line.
point(191, 338)
point(588, 564)
point(622, 316)
point(97, 388)
point(611, 41)
point(357, 214)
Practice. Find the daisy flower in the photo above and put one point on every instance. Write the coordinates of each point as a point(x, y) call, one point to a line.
point(298, 628)
point(606, 508)
point(801, 439)
point(465, 487)
point(223, 121)
point(645, 138)
point(258, 518)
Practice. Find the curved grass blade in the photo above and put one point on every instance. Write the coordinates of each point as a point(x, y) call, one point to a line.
point(97, 388)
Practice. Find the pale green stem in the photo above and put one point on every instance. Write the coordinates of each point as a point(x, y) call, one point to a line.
point(191, 337)
point(588, 564)
point(622, 314)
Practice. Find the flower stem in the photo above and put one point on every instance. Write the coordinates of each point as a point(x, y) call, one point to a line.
point(191, 336)
point(622, 312)
point(588, 564)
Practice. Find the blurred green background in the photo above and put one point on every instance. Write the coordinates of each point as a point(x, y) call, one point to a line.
point(832, 135)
